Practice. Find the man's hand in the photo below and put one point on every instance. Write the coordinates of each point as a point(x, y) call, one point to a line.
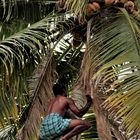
point(89, 99)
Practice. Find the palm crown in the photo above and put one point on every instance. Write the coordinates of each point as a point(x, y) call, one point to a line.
point(90, 49)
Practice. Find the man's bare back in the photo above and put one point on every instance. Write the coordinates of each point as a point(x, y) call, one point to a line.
point(57, 105)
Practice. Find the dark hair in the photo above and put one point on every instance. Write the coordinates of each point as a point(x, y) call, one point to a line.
point(58, 89)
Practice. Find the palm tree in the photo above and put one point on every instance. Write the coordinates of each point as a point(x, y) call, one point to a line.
point(99, 55)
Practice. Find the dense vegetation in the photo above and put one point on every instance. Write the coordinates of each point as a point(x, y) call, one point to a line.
point(91, 49)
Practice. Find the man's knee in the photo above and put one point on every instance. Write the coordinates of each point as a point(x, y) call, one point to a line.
point(75, 123)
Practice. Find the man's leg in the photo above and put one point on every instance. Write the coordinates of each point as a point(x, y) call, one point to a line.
point(76, 127)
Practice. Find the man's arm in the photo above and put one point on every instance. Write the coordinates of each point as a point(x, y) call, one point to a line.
point(82, 111)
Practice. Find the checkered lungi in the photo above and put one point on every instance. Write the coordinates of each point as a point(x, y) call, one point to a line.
point(53, 126)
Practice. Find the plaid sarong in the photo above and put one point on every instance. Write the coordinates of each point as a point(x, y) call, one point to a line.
point(53, 126)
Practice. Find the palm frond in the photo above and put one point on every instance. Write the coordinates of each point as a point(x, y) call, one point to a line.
point(37, 85)
point(77, 7)
point(20, 54)
point(6, 132)
point(92, 132)
point(17, 9)
point(115, 64)
point(41, 92)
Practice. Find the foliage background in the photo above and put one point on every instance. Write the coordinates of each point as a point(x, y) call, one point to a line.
point(40, 46)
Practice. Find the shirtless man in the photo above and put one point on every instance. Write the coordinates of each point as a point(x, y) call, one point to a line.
point(55, 125)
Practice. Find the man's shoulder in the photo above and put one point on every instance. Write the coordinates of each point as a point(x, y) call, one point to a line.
point(70, 100)
point(63, 98)
point(66, 99)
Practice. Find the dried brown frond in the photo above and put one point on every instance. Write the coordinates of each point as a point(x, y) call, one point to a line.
point(41, 93)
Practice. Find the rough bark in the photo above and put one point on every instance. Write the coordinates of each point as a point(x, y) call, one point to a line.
point(103, 128)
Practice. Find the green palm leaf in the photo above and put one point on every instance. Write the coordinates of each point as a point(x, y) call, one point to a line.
point(116, 55)
point(110, 66)
point(20, 54)
point(5, 133)
point(17, 9)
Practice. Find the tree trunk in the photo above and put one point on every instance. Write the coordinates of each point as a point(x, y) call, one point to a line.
point(103, 128)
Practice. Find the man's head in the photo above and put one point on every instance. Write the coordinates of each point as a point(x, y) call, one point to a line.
point(59, 89)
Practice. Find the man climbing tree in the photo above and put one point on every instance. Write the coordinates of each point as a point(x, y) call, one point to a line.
point(54, 125)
